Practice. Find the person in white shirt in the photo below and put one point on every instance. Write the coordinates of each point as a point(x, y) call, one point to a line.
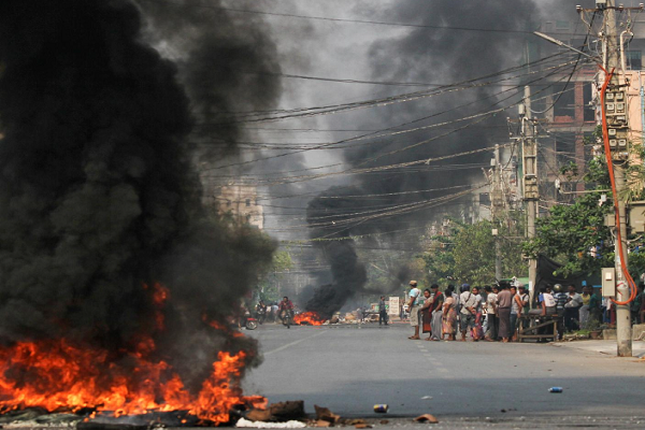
point(468, 310)
point(548, 302)
point(491, 313)
point(571, 307)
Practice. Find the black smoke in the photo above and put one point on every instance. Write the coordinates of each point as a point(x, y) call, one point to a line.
point(226, 62)
point(438, 52)
point(338, 249)
point(98, 193)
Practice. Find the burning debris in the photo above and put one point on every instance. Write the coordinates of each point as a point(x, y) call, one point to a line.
point(61, 375)
point(309, 318)
point(98, 198)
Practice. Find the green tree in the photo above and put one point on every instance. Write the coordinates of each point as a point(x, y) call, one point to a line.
point(467, 254)
point(474, 252)
point(439, 260)
point(268, 287)
point(574, 234)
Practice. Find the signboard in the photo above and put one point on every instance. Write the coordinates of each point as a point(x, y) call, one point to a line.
point(394, 306)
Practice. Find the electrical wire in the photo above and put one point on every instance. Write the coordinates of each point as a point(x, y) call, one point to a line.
point(254, 116)
point(612, 177)
point(361, 137)
point(354, 21)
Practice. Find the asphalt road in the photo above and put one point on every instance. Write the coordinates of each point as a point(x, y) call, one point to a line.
point(350, 369)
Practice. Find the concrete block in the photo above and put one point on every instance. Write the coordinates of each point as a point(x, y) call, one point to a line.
point(609, 334)
point(637, 331)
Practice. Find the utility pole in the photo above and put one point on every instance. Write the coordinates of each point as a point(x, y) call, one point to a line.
point(530, 186)
point(616, 119)
point(497, 205)
point(616, 137)
point(620, 159)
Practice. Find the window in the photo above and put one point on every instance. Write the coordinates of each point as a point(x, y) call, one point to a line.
point(562, 25)
point(633, 59)
point(564, 94)
point(589, 110)
point(565, 148)
point(248, 202)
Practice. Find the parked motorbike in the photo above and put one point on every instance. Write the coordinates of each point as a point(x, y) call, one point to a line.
point(248, 321)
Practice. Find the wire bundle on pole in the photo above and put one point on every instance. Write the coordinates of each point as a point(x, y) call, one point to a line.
point(633, 291)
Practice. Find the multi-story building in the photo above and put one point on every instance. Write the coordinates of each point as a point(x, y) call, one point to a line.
point(568, 109)
point(242, 202)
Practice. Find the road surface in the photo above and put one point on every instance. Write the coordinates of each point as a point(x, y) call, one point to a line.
point(349, 369)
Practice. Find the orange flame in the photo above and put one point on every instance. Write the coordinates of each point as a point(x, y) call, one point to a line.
point(311, 318)
point(160, 295)
point(57, 374)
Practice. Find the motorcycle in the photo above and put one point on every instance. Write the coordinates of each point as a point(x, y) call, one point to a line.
point(261, 313)
point(287, 317)
point(248, 321)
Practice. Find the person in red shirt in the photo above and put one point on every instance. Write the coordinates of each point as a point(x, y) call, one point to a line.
point(285, 310)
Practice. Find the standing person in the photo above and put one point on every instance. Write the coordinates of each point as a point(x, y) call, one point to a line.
point(548, 302)
point(467, 312)
point(516, 311)
point(560, 300)
point(455, 297)
point(449, 318)
point(525, 299)
point(547, 307)
point(414, 297)
point(437, 312)
point(274, 311)
point(595, 303)
point(583, 313)
point(382, 311)
point(491, 313)
point(571, 308)
point(426, 313)
point(504, 302)
point(477, 331)
point(286, 311)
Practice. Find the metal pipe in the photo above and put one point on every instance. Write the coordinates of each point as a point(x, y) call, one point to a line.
point(623, 64)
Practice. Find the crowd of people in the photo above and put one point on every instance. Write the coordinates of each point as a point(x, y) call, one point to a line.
point(492, 313)
point(272, 312)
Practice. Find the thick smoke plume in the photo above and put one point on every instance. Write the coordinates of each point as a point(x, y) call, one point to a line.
point(226, 62)
point(434, 55)
point(98, 195)
point(339, 250)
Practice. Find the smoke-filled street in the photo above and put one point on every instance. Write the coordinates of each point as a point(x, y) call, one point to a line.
point(350, 369)
point(176, 176)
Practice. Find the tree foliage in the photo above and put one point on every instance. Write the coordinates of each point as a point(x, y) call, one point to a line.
point(575, 235)
point(467, 255)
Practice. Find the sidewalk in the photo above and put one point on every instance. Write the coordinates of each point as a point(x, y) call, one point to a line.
point(607, 347)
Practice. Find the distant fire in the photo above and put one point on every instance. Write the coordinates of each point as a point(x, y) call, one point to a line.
point(60, 375)
point(311, 318)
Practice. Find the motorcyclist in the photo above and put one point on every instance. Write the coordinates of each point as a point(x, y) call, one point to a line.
point(260, 311)
point(285, 309)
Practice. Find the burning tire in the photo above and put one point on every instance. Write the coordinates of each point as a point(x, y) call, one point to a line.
point(251, 324)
